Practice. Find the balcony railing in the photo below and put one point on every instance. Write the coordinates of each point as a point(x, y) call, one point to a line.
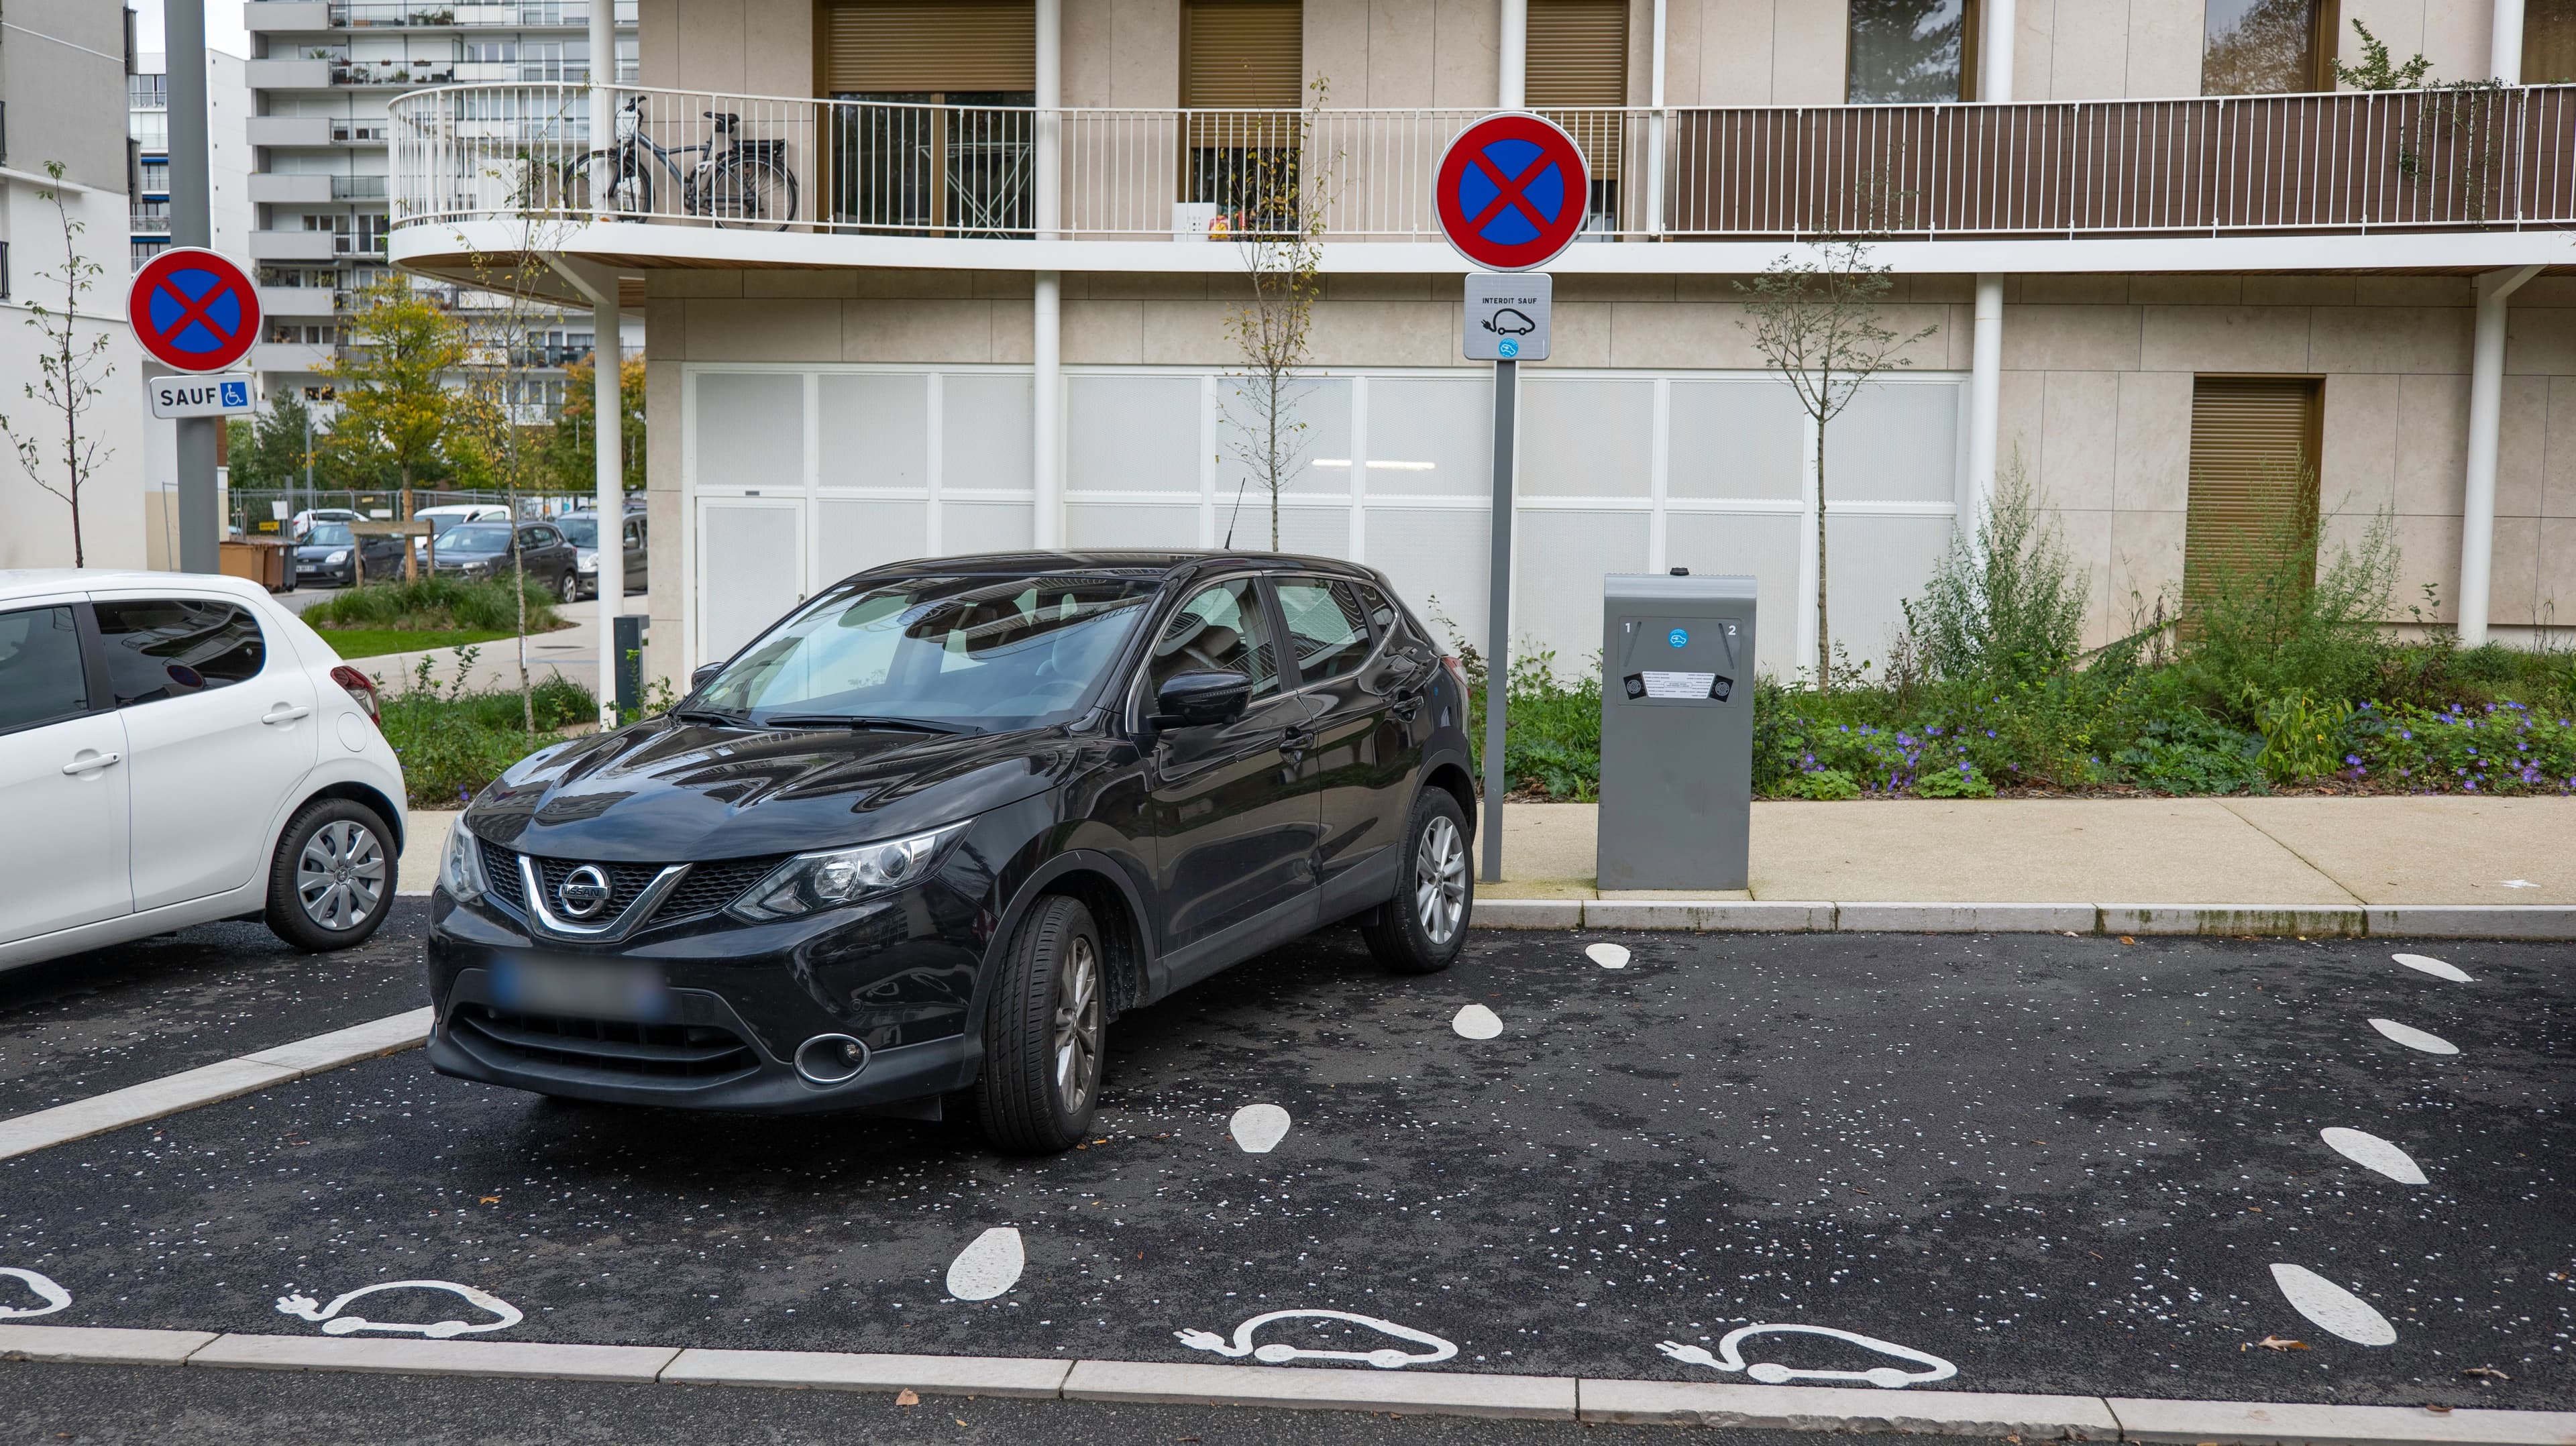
point(2359, 162)
point(521, 15)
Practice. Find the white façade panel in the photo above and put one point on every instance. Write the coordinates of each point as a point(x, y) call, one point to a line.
point(1764, 548)
point(1734, 438)
point(1130, 525)
point(1896, 442)
point(1132, 434)
point(1875, 564)
point(1556, 585)
point(1309, 531)
point(1314, 438)
point(1437, 558)
point(1586, 437)
point(972, 527)
point(1431, 436)
point(751, 430)
point(852, 534)
point(874, 429)
point(984, 436)
point(750, 570)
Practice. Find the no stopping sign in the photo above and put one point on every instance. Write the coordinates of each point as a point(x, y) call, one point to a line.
point(1512, 191)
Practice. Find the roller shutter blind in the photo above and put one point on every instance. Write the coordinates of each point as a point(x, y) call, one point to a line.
point(1578, 62)
point(2253, 499)
point(877, 47)
point(2548, 42)
point(1243, 54)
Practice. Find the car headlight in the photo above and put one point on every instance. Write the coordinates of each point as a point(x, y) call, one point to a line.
point(828, 880)
point(587, 562)
point(460, 872)
point(337, 558)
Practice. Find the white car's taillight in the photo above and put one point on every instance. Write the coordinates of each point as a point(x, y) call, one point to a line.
point(361, 688)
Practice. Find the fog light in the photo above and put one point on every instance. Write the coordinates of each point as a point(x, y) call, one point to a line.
point(829, 1059)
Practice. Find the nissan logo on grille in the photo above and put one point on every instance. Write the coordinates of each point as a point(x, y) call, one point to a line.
point(583, 893)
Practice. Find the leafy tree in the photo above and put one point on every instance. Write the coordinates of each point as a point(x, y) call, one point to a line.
point(396, 411)
point(2375, 72)
point(70, 373)
point(268, 450)
point(1272, 198)
point(572, 449)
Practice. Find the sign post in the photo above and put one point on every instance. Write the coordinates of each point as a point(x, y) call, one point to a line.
point(1512, 192)
point(193, 310)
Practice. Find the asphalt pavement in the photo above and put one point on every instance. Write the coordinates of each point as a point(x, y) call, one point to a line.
point(1995, 1163)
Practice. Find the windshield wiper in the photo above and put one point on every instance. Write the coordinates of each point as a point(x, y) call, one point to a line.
point(710, 715)
point(858, 720)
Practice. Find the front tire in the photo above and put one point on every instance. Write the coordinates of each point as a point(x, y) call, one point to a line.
point(1422, 928)
point(332, 881)
point(1044, 1033)
point(570, 588)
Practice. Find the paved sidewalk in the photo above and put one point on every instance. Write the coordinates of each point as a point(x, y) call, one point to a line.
point(572, 651)
point(2287, 851)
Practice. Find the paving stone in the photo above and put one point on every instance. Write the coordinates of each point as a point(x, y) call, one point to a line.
point(847, 1371)
point(2240, 1423)
point(99, 1346)
point(1528, 913)
point(1729, 915)
point(526, 1360)
point(2474, 921)
point(1966, 918)
point(2310, 921)
point(1445, 1393)
point(348, 1046)
point(1839, 1408)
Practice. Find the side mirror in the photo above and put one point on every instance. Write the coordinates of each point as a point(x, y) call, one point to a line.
point(1199, 699)
point(705, 674)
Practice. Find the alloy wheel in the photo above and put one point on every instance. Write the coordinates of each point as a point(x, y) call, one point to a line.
point(1440, 880)
point(1077, 1026)
point(340, 875)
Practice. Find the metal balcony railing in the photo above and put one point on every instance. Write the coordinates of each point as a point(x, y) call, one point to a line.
point(2360, 162)
point(358, 188)
point(522, 15)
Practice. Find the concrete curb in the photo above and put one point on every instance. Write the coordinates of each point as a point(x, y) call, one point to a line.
point(1438, 1393)
point(2307, 921)
point(211, 1084)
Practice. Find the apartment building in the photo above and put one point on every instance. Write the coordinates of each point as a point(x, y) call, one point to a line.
point(320, 80)
point(227, 153)
point(64, 66)
point(2163, 263)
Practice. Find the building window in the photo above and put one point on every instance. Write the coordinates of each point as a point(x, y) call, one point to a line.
point(147, 92)
point(303, 333)
point(1906, 52)
point(1578, 77)
point(960, 167)
point(153, 177)
point(2548, 42)
point(2252, 507)
point(1241, 62)
point(2268, 47)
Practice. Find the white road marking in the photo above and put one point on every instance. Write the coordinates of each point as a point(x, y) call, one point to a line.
point(2332, 1307)
point(188, 1089)
point(2373, 1153)
point(1477, 1022)
point(2435, 967)
point(53, 1296)
point(1771, 1373)
point(1608, 956)
point(1256, 1128)
point(304, 1307)
point(2520, 884)
point(1277, 1353)
point(990, 1264)
point(2413, 1038)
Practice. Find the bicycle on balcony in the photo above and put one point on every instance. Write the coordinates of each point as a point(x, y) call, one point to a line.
point(734, 182)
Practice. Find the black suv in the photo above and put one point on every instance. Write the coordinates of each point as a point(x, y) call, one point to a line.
point(935, 829)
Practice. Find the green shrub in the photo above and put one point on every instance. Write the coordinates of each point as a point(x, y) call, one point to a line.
point(2492, 748)
point(2190, 752)
point(1824, 785)
point(2266, 633)
point(453, 741)
point(2005, 607)
point(2302, 735)
point(435, 604)
point(1963, 781)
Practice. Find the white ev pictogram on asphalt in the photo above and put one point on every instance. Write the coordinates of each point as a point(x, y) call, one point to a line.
point(53, 1296)
point(1772, 1373)
point(335, 1324)
point(1275, 1353)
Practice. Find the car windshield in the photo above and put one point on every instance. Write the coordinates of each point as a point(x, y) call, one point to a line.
point(476, 537)
point(328, 534)
point(580, 531)
point(985, 653)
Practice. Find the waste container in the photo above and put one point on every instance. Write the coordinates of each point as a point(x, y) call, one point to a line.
point(1676, 731)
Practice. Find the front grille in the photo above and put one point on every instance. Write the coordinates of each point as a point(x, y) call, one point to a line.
point(626, 883)
point(702, 1053)
point(708, 887)
point(501, 872)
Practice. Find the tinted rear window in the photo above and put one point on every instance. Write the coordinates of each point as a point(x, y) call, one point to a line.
point(171, 647)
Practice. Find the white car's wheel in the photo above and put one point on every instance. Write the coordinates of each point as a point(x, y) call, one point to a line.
point(332, 881)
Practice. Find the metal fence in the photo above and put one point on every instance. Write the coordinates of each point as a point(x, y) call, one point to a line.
point(2458, 158)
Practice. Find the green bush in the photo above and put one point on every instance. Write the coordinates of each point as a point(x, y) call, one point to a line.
point(2189, 752)
point(1825, 785)
point(435, 604)
point(2005, 607)
point(453, 741)
point(1963, 781)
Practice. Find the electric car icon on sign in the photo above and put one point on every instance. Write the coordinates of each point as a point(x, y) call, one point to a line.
point(1510, 321)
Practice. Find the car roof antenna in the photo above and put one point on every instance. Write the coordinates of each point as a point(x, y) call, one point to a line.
point(1233, 516)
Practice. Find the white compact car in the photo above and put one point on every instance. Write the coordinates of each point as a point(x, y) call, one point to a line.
point(177, 748)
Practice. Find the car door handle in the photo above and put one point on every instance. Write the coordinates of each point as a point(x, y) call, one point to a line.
point(1294, 742)
point(92, 763)
point(284, 713)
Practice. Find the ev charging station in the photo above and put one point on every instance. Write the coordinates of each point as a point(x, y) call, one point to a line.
point(1676, 731)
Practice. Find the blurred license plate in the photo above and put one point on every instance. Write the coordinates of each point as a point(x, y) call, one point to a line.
point(598, 989)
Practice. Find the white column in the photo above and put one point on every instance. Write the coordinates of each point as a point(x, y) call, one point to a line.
point(1995, 51)
point(1655, 128)
point(606, 414)
point(1985, 402)
point(1050, 121)
point(1514, 54)
point(1046, 417)
point(2504, 43)
point(2486, 422)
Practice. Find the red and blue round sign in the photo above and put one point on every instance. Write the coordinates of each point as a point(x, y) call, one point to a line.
point(1512, 192)
point(194, 309)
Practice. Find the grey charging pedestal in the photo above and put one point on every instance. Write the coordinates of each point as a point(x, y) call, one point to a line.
point(1676, 731)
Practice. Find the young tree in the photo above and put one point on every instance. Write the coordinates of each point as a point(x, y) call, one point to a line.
point(1272, 195)
point(70, 374)
point(396, 408)
point(572, 448)
point(1814, 317)
point(268, 450)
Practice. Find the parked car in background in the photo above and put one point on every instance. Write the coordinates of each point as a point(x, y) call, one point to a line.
point(583, 530)
point(937, 827)
point(304, 522)
point(482, 549)
point(444, 517)
point(330, 554)
point(176, 749)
